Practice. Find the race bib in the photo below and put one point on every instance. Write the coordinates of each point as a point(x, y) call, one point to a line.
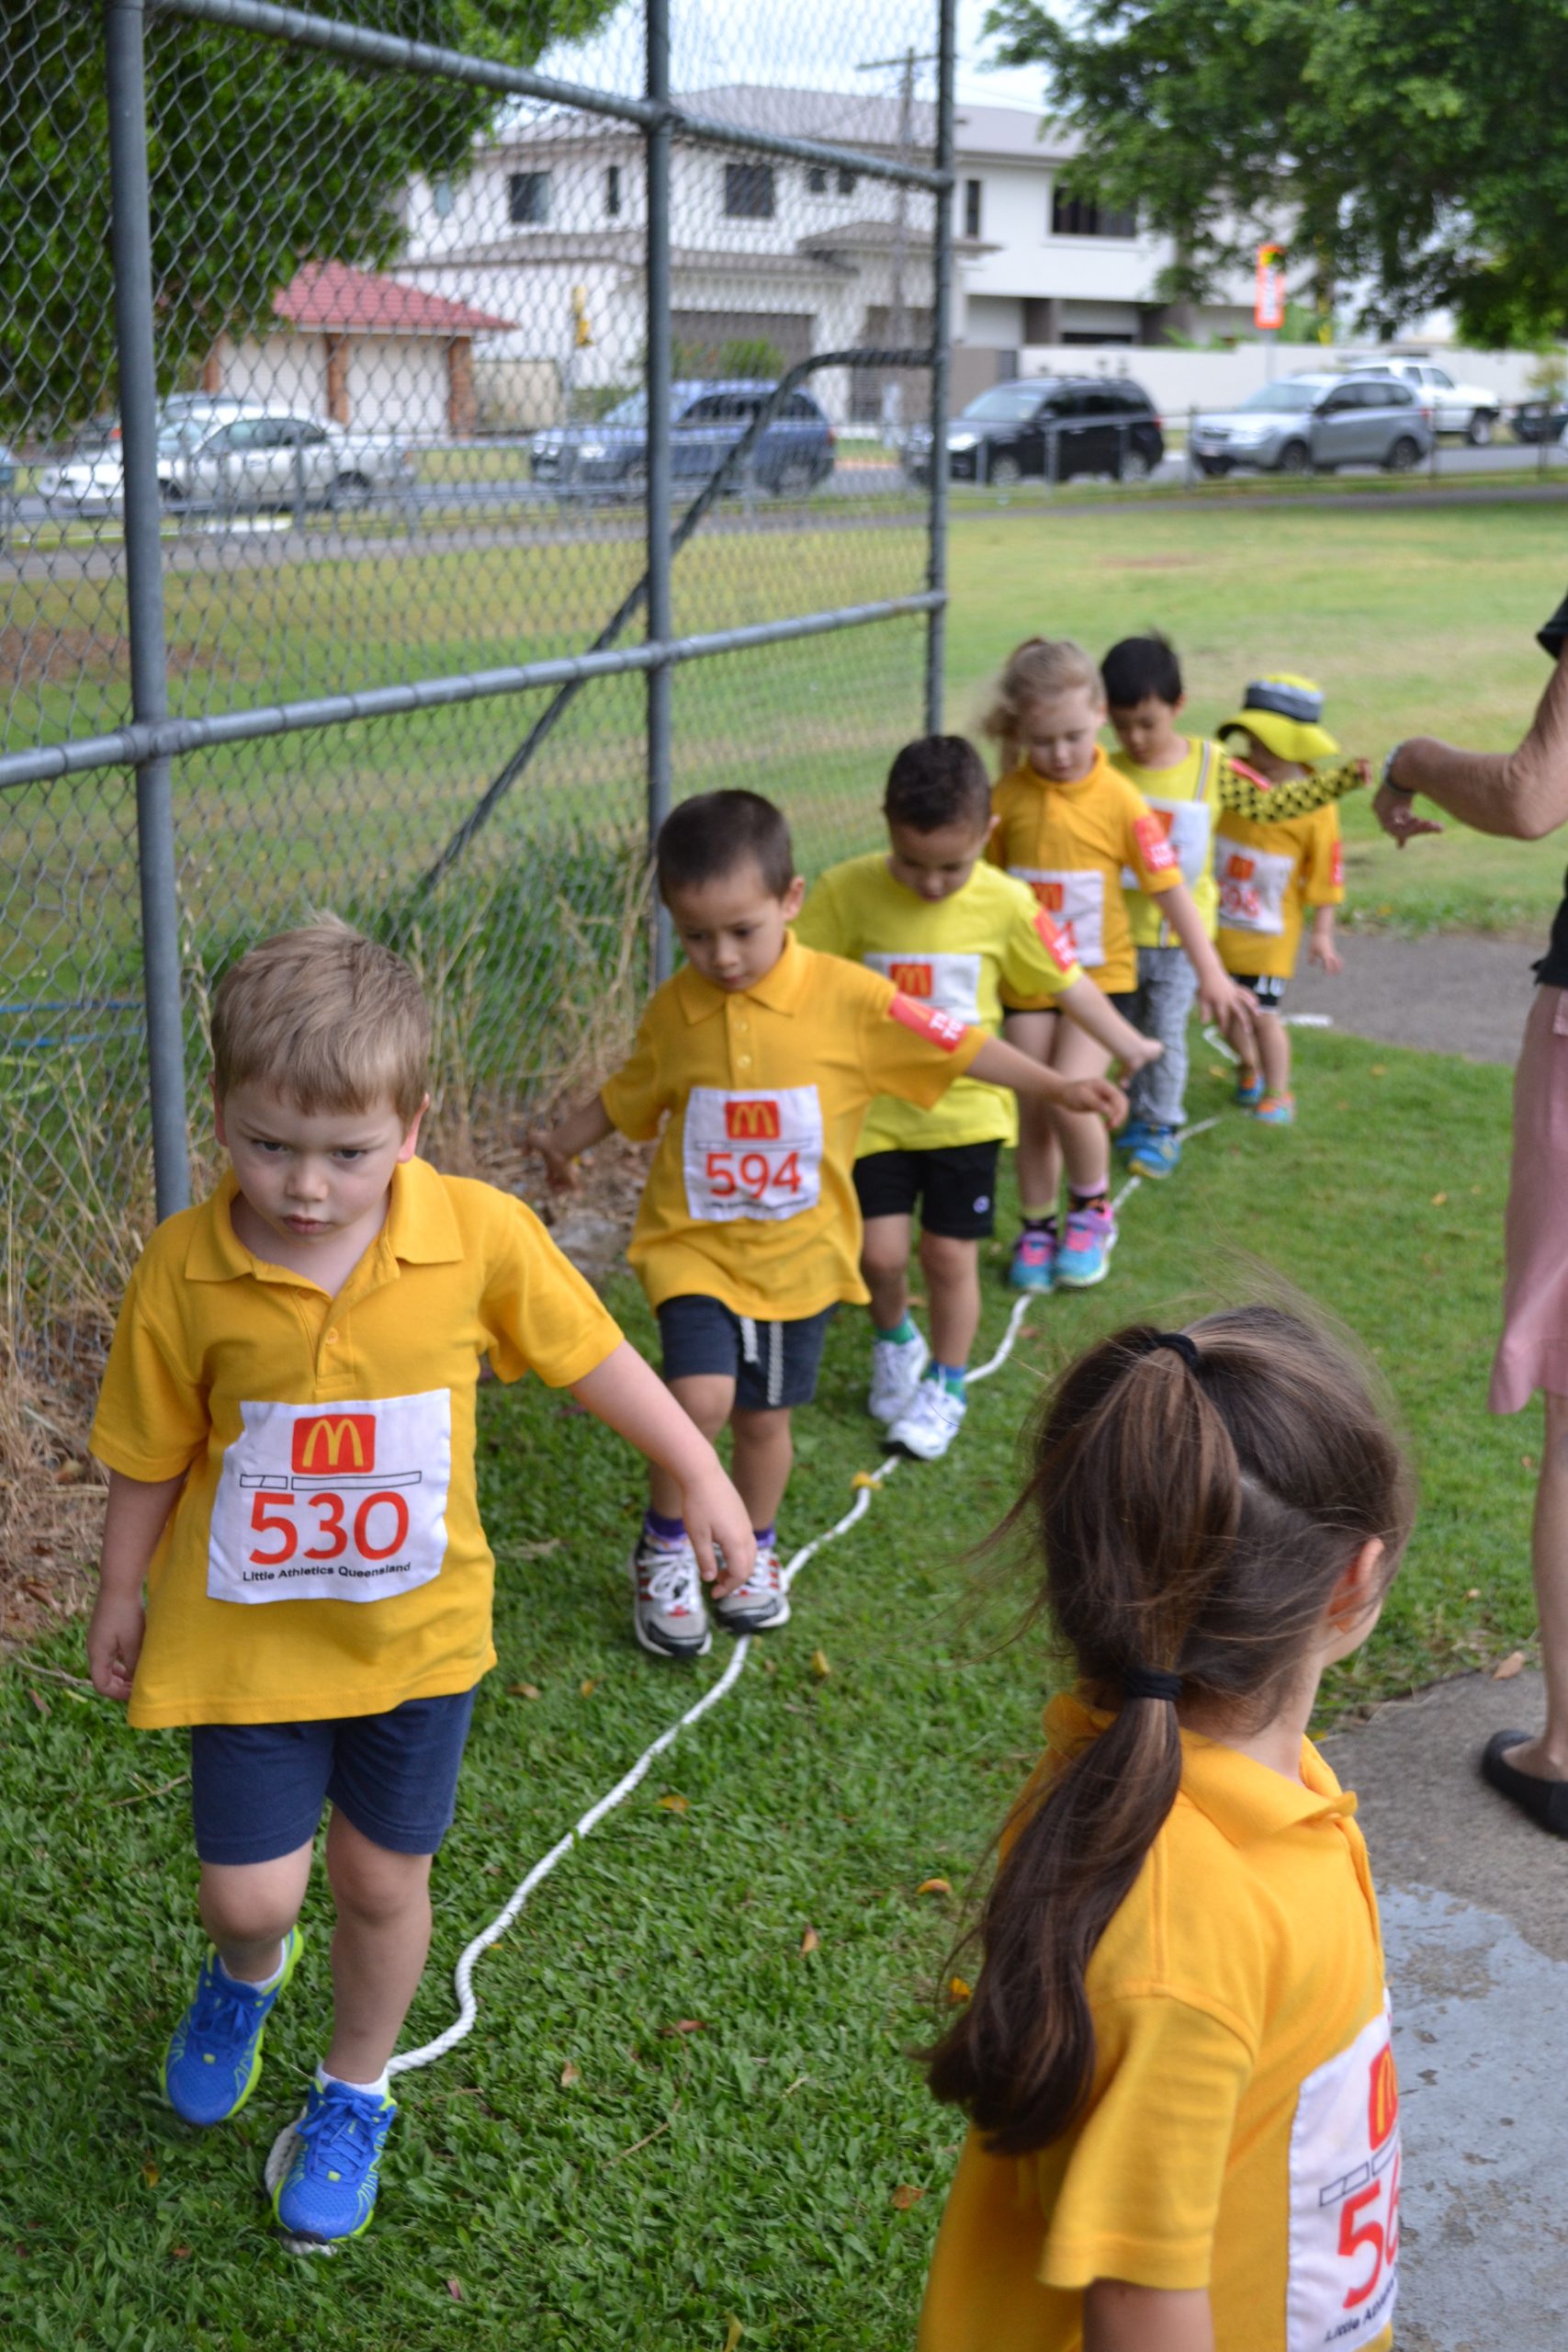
point(947, 983)
point(1253, 883)
point(1186, 827)
point(333, 1502)
point(756, 1154)
point(1345, 2199)
point(1075, 904)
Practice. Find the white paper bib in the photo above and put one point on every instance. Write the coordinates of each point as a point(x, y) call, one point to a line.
point(333, 1502)
point(1075, 904)
point(1345, 2199)
point(1253, 883)
point(1186, 825)
point(754, 1154)
point(949, 983)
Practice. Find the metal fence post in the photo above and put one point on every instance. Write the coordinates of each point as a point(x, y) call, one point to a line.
point(131, 239)
point(660, 601)
point(941, 345)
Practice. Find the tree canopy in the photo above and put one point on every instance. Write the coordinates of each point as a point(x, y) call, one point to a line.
point(260, 156)
point(1414, 150)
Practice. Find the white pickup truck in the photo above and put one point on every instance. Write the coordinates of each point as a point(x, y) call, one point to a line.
point(1468, 410)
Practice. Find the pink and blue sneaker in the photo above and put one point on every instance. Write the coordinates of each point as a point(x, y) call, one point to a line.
point(1033, 1263)
point(1276, 1111)
point(1088, 1240)
point(329, 2189)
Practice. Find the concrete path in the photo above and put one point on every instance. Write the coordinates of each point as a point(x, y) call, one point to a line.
point(1475, 1915)
point(1450, 992)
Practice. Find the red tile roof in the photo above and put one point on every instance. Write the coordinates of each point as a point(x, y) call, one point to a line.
point(328, 294)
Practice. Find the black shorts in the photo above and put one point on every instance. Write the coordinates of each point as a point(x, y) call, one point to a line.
point(1267, 987)
point(771, 1364)
point(954, 1184)
point(1123, 998)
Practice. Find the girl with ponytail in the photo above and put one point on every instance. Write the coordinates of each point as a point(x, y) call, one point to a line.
point(1176, 2064)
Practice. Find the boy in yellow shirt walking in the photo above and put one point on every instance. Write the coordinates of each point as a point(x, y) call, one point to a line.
point(950, 931)
point(755, 1067)
point(288, 1422)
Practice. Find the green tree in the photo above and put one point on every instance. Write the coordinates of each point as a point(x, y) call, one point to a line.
point(261, 156)
point(1415, 148)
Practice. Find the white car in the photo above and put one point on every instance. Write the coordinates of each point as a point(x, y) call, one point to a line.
point(238, 454)
point(1466, 408)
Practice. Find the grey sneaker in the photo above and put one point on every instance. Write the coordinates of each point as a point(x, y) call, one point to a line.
point(667, 1599)
point(759, 1604)
point(896, 1369)
point(933, 1420)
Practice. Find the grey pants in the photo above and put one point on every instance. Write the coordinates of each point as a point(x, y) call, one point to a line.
point(1166, 985)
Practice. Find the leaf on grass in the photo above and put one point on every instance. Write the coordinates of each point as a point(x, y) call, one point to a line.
point(809, 1941)
point(522, 1691)
point(733, 2333)
point(180, 2253)
point(934, 1886)
point(41, 1702)
point(587, 1687)
point(1527, 1461)
point(904, 2196)
point(455, 2289)
point(1513, 1664)
point(150, 2172)
point(1378, 1070)
point(957, 1990)
point(568, 2074)
point(1030, 1331)
point(671, 1803)
point(1439, 1200)
point(684, 2025)
point(541, 1551)
point(867, 1478)
point(819, 1665)
point(1473, 1593)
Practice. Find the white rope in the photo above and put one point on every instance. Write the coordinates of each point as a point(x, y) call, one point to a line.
point(869, 1484)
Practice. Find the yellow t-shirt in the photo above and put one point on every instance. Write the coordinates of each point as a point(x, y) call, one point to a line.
point(1070, 844)
point(952, 952)
point(1241, 2131)
point(1267, 873)
point(1185, 805)
point(327, 1446)
point(750, 1198)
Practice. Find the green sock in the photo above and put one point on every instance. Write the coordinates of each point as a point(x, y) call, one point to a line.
point(951, 1376)
point(903, 1331)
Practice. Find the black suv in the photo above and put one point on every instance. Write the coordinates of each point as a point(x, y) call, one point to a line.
point(1053, 427)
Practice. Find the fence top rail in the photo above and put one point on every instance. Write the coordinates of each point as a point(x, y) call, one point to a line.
point(360, 43)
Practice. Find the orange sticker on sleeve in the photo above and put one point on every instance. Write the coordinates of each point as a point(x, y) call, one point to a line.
point(1050, 939)
point(1155, 852)
point(944, 1029)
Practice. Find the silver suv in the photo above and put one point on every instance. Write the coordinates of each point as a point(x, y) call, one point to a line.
point(1315, 423)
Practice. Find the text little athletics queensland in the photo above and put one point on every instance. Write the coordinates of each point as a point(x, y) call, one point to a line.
point(312, 1569)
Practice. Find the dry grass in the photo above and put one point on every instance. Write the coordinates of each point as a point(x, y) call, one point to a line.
point(51, 1500)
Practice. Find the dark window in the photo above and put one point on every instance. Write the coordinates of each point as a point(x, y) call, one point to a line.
point(817, 180)
point(748, 191)
point(613, 191)
point(1078, 216)
point(800, 411)
point(847, 181)
point(527, 198)
point(971, 207)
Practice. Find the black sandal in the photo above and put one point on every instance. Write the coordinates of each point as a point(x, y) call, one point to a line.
point(1551, 638)
point(1546, 1802)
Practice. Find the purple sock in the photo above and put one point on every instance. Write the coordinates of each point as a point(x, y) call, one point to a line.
point(764, 1536)
point(662, 1530)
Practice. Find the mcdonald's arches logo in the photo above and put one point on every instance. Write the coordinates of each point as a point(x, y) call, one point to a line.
point(752, 1122)
point(915, 979)
point(1240, 869)
point(335, 1441)
point(1382, 2098)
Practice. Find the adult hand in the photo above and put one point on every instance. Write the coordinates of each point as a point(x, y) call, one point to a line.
point(1395, 812)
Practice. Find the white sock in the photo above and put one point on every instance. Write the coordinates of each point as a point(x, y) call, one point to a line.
point(380, 2089)
point(259, 1984)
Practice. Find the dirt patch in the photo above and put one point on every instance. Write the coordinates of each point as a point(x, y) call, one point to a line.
point(1151, 562)
point(62, 654)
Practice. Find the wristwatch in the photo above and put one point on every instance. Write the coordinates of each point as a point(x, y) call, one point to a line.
point(1405, 791)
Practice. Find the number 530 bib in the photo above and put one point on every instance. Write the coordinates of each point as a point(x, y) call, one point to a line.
point(756, 1155)
point(333, 1502)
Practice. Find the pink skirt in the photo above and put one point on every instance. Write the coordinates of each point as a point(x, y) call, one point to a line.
point(1533, 1350)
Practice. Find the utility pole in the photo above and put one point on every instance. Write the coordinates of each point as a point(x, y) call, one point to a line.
point(897, 322)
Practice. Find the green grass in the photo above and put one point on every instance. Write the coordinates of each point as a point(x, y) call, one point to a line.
point(773, 2138)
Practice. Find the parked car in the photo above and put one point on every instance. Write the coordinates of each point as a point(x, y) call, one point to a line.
point(1469, 410)
point(1308, 423)
point(794, 453)
point(1535, 421)
point(1053, 427)
point(241, 455)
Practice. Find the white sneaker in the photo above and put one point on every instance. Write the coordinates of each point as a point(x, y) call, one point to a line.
point(667, 1599)
point(761, 1603)
point(896, 1369)
point(931, 1422)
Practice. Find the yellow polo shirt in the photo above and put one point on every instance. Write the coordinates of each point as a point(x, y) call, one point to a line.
point(750, 1199)
point(1267, 875)
point(325, 1556)
point(957, 952)
point(1242, 2127)
point(1184, 802)
point(1070, 843)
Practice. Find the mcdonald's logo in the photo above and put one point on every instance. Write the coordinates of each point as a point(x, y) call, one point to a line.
point(1051, 896)
point(754, 1122)
point(1240, 869)
point(1382, 2098)
point(915, 979)
point(335, 1441)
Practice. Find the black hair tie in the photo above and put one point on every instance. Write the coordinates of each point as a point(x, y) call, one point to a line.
point(1150, 1682)
point(1180, 1344)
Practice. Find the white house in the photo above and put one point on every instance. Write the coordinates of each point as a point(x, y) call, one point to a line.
point(787, 258)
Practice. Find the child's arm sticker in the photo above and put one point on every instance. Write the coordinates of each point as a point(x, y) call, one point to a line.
point(944, 1029)
point(1050, 939)
point(1155, 852)
point(1336, 865)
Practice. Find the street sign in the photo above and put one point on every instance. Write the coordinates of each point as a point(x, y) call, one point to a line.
point(1269, 298)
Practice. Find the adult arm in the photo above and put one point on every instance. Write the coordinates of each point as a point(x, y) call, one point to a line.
point(133, 1520)
point(1521, 795)
point(1118, 2317)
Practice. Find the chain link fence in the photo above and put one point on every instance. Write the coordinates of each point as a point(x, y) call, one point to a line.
point(450, 431)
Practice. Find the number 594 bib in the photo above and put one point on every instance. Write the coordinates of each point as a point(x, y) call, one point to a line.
point(333, 1502)
point(756, 1154)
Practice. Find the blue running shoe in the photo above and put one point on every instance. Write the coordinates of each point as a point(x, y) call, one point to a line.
point(1158, 1153)
point(329, 2190)
point(1133, 1135)
point(1249, 1092)
point(1033, 1263)
point(214, 2054)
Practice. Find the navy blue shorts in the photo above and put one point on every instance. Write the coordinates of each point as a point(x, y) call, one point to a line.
point(771, 1364)
point(257, 1789)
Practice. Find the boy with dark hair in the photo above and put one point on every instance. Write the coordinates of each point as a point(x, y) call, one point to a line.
point(1188, 781)
point(946, 927)
point(754, 1067)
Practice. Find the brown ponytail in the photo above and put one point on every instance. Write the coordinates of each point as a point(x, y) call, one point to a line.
point(1196, 1508)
